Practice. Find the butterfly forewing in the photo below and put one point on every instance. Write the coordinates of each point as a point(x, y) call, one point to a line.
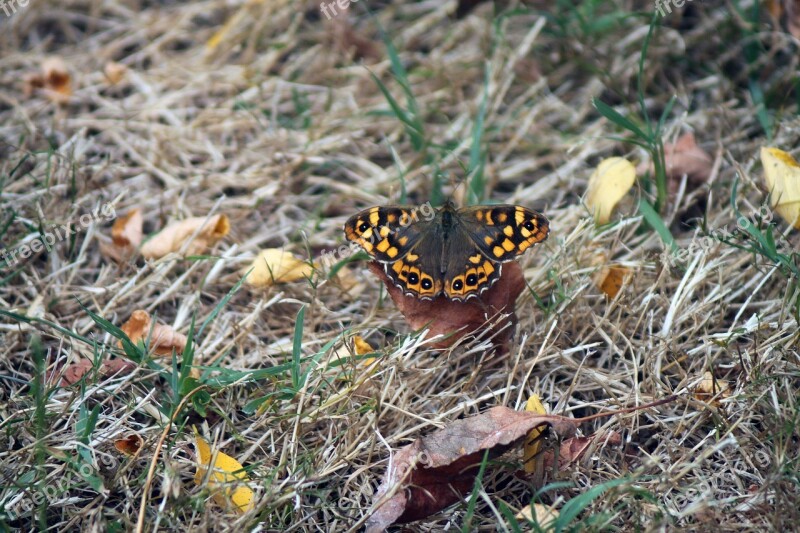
point(386, 233)
point(502, 232)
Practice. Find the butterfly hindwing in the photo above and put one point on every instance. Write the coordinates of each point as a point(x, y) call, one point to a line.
point(502, 232)
point(417, 273)
point(466, 280)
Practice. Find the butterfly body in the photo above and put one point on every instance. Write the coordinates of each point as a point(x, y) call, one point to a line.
point(453, 252)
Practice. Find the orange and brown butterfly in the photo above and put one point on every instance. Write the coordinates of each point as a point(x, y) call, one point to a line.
point(453, 252)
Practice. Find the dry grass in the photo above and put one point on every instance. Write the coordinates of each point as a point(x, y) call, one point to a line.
point(281, 127)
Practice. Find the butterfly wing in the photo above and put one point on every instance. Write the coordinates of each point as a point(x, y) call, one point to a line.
point(503, 232)
point(483, 239)
point(406, 245)
point(468, 272)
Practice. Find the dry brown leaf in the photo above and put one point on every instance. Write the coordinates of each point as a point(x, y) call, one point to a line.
point(75, 371)
point(542, 515)
point(435, 471)
point(350, 41)
point(127, 229)
point(711, 390)
point(54, 80)
point(275, 265)
point(455, 320)
point(685, 157)
point(129, 445)
point(208, 231)
point(782, 177)
point(611, 278)
point(608, 184)
point(163, 339)
point(573, 448)
point(126, 236)
point(114, 72)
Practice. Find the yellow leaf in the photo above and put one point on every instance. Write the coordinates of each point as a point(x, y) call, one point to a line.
point(275, 265)
point(533, 405)
point(362, 347)
point(226, 480)
point(782, 174)
point(544, 515)
point(608, 184)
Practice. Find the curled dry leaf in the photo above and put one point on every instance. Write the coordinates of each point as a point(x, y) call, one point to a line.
point(573, 448)
point(54, 80)
point(75, 371)
point(435, 471)
point(782, 176)
point(206, 231)
point(275, 265)
point(129, 445)
point(608, 184)
point(611, 278)
point(126, 236)
point(453, 319)
point(114, 72)
point(711, 390)
point(227, 479)
point(163, 340)
point(685, 157)
point(542, 515)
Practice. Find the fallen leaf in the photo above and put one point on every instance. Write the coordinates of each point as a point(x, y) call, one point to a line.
point(126, 236)
point(611, 278)
point(684, 157)
point(163, 339)
point(573, 448)
point(74, 372)
point(129, 445)
point(608, 184)
point(711, 390)
point(435, 471)
point(454, 320)
point(114, 72)
point(782, 176)
point(226, 480)
point(532, 444)
point(540, 515)
point(349, 41)
point(275, 265)
point(54, 80)
point(127, 229)
point(206, 232)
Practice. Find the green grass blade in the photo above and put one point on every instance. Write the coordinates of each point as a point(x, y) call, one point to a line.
point(654, 220)
point(297, 344)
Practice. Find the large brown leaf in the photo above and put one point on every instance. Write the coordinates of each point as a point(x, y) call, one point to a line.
point(453, 320)
point(435, 471)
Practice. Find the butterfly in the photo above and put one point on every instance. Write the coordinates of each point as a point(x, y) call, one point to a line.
point(454, 252)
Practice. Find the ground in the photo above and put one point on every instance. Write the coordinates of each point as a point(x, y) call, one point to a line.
point(288, 121)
